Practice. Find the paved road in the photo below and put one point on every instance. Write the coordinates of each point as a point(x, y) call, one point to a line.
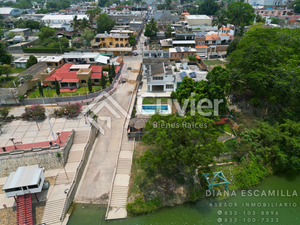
point(97, 178)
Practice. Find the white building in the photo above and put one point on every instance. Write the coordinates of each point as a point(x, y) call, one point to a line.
point(6, 12)
point(88, 57)
point(62, 22)
point(160, 78)
point(26, 180)
point(21, 62)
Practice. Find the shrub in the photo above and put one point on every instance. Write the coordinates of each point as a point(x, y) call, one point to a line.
point(139, 206)
point(4, 112)
point(58, 154)
point(107, 84)
point(34, 111)
point(72, 109)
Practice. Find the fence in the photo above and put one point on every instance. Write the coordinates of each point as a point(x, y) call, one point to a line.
point(136, 135)
point(53, 100)
point(80, 169)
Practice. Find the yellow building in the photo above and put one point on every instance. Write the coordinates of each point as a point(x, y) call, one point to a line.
point(111, 44)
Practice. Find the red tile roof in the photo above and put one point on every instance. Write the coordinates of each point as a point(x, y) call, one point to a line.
point(63, 74)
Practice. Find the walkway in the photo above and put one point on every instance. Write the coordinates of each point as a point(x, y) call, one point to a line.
point(96, 181)
point(64, 179)
point(118, 198)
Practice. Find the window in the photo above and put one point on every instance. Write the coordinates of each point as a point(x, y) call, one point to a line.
point(33, 186)
point(13, 189)
point(157, 78)
point(188, 54)
point(182, 55)
point(121, 39)
point(175, 56)
point(117, 45)
point(83, 81)
point(202, 42)
point(97, 39)
point(96, 81)
point(102, 39)
point(52, 83)
point(117, 39)
point(92, 60)
point(169, 86)
point(206, 42)
point(49, 64)
point(213, 42)
point(56, 64)
point(121, 45)
point(25, 188)
point(199, 42)
point(126, 39)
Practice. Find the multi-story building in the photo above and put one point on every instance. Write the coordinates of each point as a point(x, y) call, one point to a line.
point(184, 39)
point(6, 12)
point(198, 20)
point(117, 44)
point(179, 53)
point(160, 77)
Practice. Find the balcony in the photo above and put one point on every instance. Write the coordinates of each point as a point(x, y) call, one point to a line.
point(84, 72)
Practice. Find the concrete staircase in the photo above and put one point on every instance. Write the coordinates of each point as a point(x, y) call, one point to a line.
point(81, 137)
point(119, 196)
point(53, 211)
point(117, 207)
point(63, 179)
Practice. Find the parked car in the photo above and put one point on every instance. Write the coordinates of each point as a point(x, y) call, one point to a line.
point(214, 56)
point(203, 56)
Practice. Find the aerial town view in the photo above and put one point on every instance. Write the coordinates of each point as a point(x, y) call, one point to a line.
point(149, 112)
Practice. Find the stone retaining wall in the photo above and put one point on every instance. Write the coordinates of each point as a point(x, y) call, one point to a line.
point(45, 157)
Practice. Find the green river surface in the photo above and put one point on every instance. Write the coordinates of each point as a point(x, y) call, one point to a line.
point(233, 210)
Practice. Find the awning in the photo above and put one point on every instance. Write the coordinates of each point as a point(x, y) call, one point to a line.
point(202, 46)
point(69, 80)
point(102, 59)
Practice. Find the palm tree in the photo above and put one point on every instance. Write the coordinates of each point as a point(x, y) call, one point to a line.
point(219, 21)
point(75, 23)
point(83, 24)
point(236, 17)
point(92, 13)
point(236, 81)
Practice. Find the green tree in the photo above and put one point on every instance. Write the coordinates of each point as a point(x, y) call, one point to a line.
point(103, 80)
point(267, 59)
point(219, 21)
point(192, 58)
point(31, 61)
point(90, 87)
point(87, 36)
point(5, 57)
point(151, 28)
point(296, 6)
point(84, 23)
point(92, 13)
point(169, 32)
point(104, 23)
point(240, 14)
point(40, 89)
point(180, 151)
point(278, 21)
point(113, 71)
point(131, 40)
point(119, 8)
point(4, 112)
point(76, 23)
point(46, 32)
point(209, 7)
point(259, 19)
point(11, 35)
point(220, 77)
point(6, 69)
point(57, 87)
point(232, 46)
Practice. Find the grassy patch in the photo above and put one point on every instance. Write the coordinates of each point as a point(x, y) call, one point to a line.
point(52, 92)
point(155, 100)
point(214, 62)
point(229, 145)
point(225, 127)
point(17, 70)
point(8, 82)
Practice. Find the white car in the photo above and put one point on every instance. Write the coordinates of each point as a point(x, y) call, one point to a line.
point(203, 56)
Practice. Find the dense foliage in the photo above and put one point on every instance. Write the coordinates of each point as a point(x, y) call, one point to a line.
point(31, 61)
point(48, 39)
point(151, 28)
point(179, 145)
point(104, 23)
point(268, 60)
point(34, 111)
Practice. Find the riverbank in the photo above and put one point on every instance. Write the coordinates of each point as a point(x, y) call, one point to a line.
point(208, 211)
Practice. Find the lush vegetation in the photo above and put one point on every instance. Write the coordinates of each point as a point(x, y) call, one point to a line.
point(31, 61)
point(140, 206)
point(8, 82)
point(104, 23)
point(70, 110)
point(151, 28)
point(34, 111)
point(52, 92)
point(48, 39)
point(155, 100)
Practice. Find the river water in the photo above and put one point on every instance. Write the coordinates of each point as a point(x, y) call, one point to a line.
point(263, 207)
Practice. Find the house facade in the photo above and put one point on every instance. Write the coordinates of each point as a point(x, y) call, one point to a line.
point(160, 78)
point(179, 53)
